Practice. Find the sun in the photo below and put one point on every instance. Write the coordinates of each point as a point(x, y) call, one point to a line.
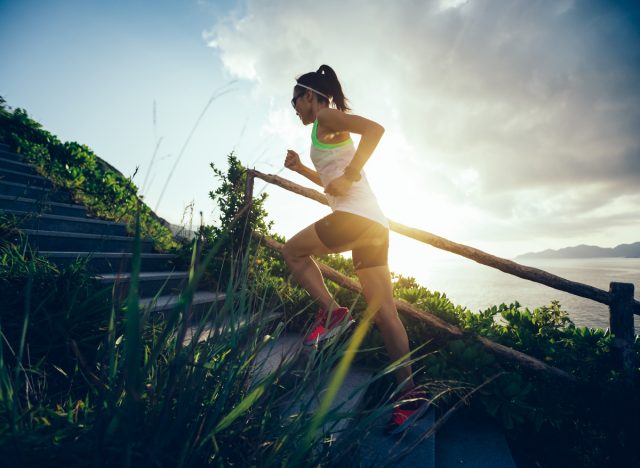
point(407, 202)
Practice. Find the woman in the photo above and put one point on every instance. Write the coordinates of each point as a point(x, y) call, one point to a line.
point(356, 223)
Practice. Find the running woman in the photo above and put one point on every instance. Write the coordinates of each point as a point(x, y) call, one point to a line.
point(356, 223)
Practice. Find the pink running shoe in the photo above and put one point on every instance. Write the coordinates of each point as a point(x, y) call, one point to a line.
point(412, 405)
point(325, 327)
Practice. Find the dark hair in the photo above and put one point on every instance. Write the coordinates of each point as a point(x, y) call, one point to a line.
point(325, 81)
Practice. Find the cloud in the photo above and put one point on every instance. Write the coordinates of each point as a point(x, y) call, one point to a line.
point(528, 110)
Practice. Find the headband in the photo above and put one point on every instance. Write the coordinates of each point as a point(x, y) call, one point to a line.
point(314, 90)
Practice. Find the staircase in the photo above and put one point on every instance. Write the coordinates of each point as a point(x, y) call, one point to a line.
point(463, 441)
point(63, 231)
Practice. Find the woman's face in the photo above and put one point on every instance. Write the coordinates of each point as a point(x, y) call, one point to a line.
point(302, 104)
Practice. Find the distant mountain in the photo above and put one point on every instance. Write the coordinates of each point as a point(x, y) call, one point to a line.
point(587, 251)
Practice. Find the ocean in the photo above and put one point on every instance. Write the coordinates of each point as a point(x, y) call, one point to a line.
point(478, 287)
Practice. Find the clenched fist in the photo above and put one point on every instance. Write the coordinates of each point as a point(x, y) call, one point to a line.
point(292, 161)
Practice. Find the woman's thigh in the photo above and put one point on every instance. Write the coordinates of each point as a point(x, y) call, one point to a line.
point(306, 243)
point(342, 231)
point(372, 250)
point(368, 240)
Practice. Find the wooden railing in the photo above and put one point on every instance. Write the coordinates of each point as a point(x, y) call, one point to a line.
point(619, 298)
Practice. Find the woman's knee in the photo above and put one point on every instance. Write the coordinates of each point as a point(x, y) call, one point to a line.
point(386, 316)
point(289, 252)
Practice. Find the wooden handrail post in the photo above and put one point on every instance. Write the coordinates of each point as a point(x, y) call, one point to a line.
point(248, 191)
point(621, 322)
point(243, 217)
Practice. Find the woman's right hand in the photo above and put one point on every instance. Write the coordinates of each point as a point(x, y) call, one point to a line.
point(292, 161)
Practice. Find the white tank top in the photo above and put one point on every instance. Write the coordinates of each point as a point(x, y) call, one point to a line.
point(330, 161)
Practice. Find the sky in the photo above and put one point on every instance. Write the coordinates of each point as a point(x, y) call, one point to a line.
point(510, 126)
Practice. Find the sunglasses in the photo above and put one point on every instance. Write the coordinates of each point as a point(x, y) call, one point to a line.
point(295, 98)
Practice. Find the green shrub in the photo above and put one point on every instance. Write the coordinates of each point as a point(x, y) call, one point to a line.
point(90, 180)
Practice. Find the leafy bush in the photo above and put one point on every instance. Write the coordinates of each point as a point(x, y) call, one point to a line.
point(153, 398)
point(194, 404)
point(90, 180)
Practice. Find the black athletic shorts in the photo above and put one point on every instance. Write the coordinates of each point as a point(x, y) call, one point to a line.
point(368, 240)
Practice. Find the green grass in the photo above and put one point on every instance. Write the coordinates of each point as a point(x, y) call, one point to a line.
point(88, 380)
point(85, 380)
point(147, 397)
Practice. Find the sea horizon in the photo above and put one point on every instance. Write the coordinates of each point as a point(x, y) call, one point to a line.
point(478, 287)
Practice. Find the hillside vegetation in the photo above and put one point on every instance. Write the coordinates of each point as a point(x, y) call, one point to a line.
point(92, 181)
point(84, 380)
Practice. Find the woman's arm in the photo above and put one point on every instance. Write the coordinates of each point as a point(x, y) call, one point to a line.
point(292, 161)
point(310, 174)
point(338, 121)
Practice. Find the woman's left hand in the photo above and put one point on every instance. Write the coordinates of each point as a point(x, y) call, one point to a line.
point(338, 187)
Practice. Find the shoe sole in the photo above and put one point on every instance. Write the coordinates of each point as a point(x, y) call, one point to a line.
point(331, 333)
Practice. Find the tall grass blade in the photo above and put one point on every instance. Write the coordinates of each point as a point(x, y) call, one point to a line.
point(132, 351)
point(236, 412)
point(132, 330)
point(187, 293)
point(341, 372)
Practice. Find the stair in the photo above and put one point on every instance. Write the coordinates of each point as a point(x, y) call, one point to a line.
point(473, 442)
point(40, 194)
point(287, 350)
point(61, 223)
point(465, 440)
point(211, 330)
point(20, 176)
point(32, 205)
point(65, 241)
point(63, 231)
point(375, 448)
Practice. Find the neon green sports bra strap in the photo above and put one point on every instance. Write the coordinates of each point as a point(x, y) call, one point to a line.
point(317, 143)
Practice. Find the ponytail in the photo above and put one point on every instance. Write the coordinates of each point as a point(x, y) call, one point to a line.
point(326, 81)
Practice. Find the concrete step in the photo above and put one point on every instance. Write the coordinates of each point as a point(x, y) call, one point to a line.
point(17, 166)
point(114, 262)
point(31, 180)
point(288, 351)
point(150, 283)
point(47, 222)
point(6, 153)
point(279, 352)
point(202, 301)
point(375, 448)
point(472, 441)
point(213, 330)
point(349, 399)
point(9, 202)
point(38, 193)
point(406, 450)
point(75, 242)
